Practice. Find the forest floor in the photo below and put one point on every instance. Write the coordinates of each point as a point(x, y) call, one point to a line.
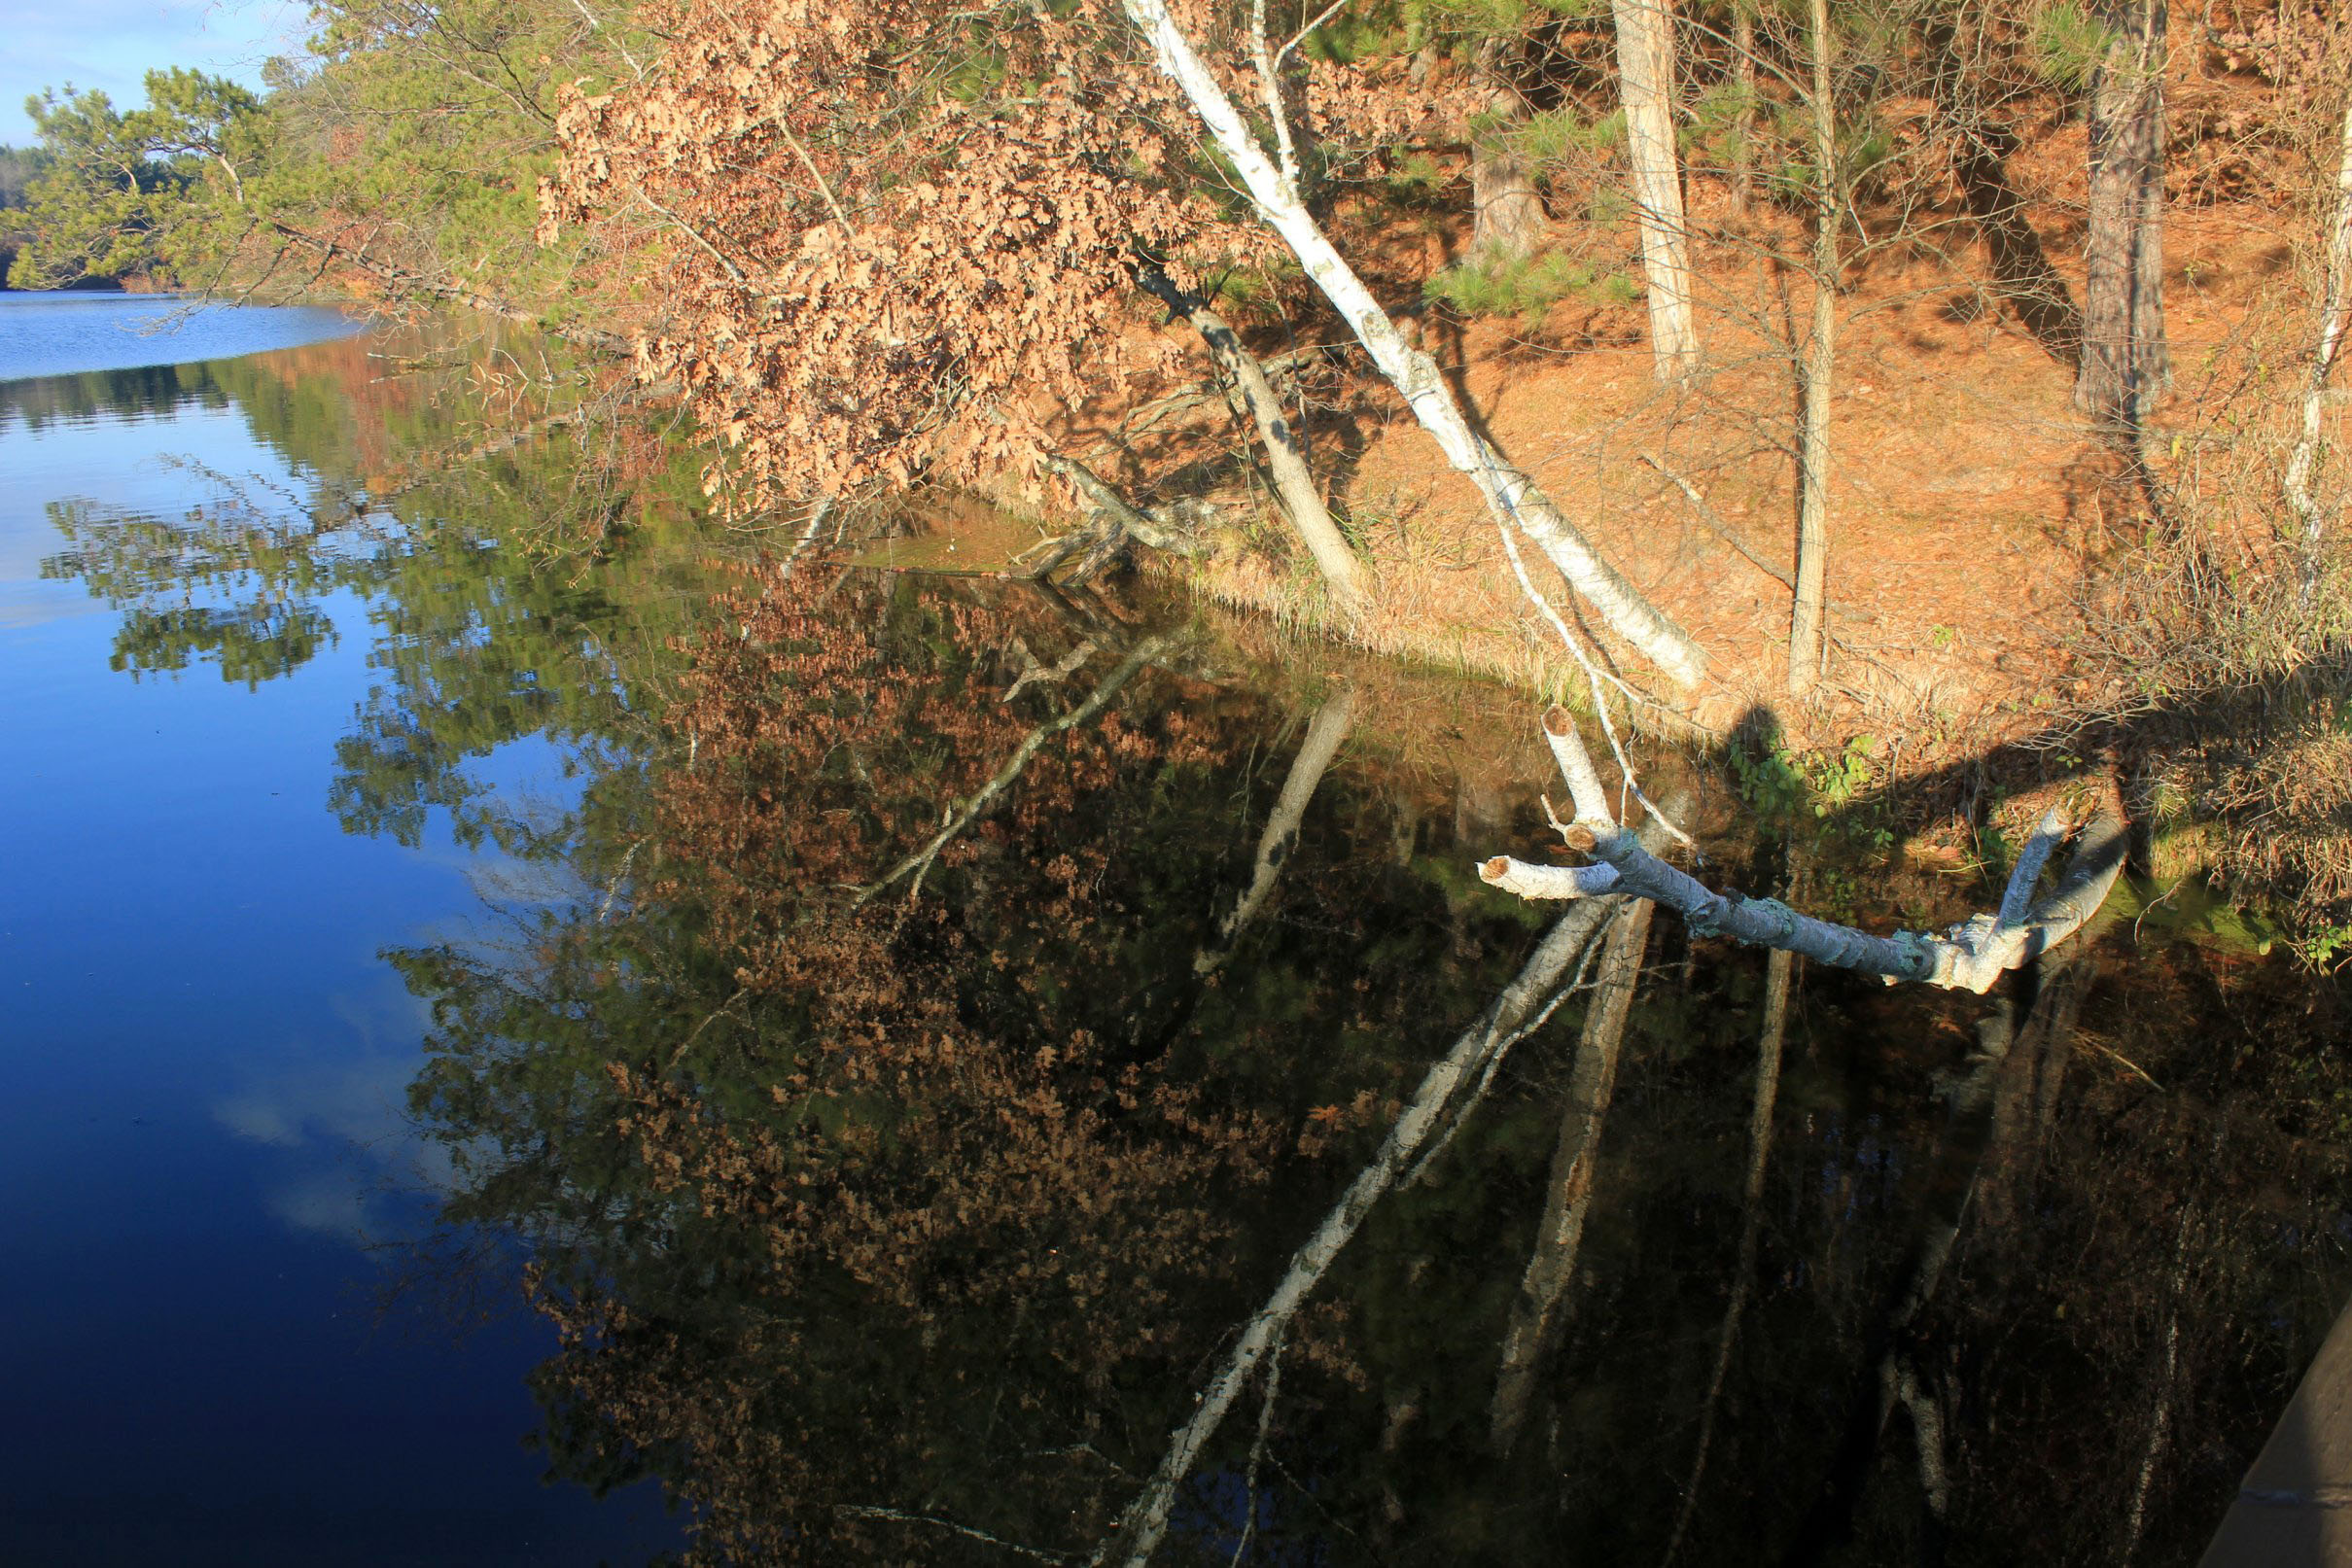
point(1972, 508)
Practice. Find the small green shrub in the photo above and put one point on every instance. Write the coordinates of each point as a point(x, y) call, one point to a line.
point(1526, 286)
point(2068, 44)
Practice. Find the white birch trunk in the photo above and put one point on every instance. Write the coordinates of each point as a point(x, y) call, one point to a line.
point(1645, 72)
point(1287, 461)
point(2327, 344)
point(1510, 494)
point(1970, 956)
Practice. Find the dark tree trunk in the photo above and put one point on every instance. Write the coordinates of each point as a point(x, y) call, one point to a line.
point(1506, 213)
point(2125, 366)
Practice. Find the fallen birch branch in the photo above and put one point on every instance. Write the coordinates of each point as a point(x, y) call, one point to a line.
point(1969, 956)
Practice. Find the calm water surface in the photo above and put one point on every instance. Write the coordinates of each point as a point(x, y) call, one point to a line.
point(208, 1152)
point(424, 897)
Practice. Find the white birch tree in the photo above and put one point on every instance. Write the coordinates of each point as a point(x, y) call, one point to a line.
point(1645, 74)
point(1513, 497)
point(1970, 956)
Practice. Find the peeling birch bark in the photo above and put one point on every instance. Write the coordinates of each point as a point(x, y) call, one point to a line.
point(1324, 735)
point(1455, 1079)
point(1509, 493)
point(1646, 75)
point(1539, 1310)
point(1969, 956)
point(2327, 344)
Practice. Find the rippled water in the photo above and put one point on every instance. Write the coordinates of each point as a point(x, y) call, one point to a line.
point(80, 330)
point(849, 1053)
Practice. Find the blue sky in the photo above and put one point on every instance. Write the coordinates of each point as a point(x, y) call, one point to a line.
point(113, 43)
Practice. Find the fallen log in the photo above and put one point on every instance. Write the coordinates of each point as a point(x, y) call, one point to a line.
point(1969, 956)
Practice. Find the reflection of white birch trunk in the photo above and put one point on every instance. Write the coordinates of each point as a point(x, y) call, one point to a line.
point(1538, 1310)
point(1751, 1226)
point(1278, 438)
point(2335, 283)
point(1455, 1081)
point(1969, 956)
point(1646, 75)
point(1952, 1181)
point(1324, 734)
point(1510, 495)
point(2159, 1422)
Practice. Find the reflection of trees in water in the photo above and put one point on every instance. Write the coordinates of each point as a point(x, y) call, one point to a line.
point(941, 1198)
point(904, 1229)
point(870, 1225)
point(534, 591)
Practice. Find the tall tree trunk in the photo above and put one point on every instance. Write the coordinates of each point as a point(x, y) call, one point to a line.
point(1816, 367)
point(1507, 221)
point(1646, 72)
point(2335, 285)
point(1538, 1310)
point(2126, 365)
point(1510, 495)
point(1282, 442)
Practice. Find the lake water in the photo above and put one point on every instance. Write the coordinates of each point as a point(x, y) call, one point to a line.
point(207, 1157)
point(481, 968)
point(75, 331)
